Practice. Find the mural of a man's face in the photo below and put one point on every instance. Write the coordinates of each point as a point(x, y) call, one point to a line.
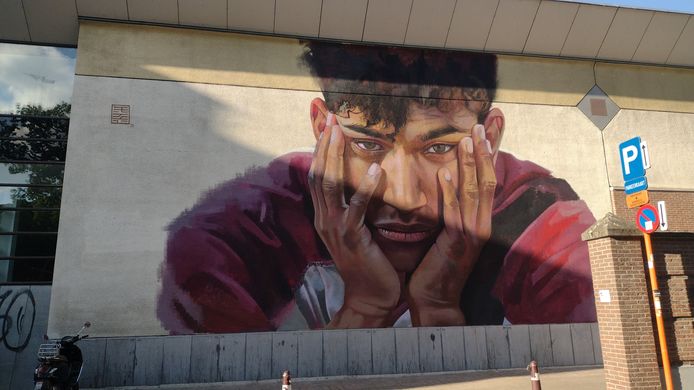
point(404, 214)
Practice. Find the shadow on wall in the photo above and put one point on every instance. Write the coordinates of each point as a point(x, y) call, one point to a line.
point(674, 258)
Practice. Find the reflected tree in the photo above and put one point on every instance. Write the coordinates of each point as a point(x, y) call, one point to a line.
point(35, 135)
point(33, 147)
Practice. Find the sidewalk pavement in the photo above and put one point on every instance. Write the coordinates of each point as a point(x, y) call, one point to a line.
point(583, 378)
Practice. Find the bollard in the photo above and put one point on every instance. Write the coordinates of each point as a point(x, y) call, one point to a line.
point(534, 376)
point(286, 381)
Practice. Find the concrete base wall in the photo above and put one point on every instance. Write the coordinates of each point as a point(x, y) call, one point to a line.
point(137, 361)
point(24, 320)
point(683, 377)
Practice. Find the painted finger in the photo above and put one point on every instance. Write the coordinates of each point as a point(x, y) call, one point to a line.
point(317, 170)
point(469, 191)
point(451, 204)
point(486, 180)
point(333, 183)
point(361, 198)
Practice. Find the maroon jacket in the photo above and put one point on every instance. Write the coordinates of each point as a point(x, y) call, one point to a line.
point(235, 259)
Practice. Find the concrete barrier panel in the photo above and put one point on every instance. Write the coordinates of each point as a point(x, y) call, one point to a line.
point(285, 353)
point(149, 355)
point(120, 362)
point(498, 347)
point(541, 345)
point(177, 354)
point(597, 347)
point(94, 355)
point(383, 348)
point(407, 350)
point(310, 363)
point(430, 350)
point(562, 348)
point(27, 302)
point(258, 356)
point(582, 342)
point(519, 345)
point(334, 352)
point(359, 352)
point(204, 358)
point(475, 348)
point(232, 357)
point(453, 348)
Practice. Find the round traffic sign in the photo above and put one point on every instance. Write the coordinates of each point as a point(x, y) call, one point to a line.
point(647, 219)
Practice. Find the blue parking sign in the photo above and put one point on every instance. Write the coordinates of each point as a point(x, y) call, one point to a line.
point(632, 162)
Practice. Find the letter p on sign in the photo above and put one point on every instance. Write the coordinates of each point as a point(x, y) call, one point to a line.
point(632, 162)
point(629, 154)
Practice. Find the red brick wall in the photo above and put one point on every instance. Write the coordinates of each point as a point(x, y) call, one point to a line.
point(674, 260)
point(626, 335)
point(679, 204)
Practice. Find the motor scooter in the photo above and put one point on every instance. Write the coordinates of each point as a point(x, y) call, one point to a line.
point(60, 363)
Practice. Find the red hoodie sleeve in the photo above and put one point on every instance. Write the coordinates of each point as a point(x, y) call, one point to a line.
point(233, 260)
point(545, 277)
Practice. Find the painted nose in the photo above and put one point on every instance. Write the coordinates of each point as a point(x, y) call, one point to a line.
point(402, 182)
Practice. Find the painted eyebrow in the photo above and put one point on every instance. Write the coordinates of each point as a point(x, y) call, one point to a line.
point(371, 133)
point(438, 133)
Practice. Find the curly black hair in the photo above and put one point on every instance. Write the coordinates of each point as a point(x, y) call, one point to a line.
point(382, 81)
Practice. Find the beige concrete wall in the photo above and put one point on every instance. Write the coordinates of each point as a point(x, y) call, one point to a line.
point(158, 53)
point(670, 138)
point(564, 141)
point(161, 53)
point(647, 87)
point(124, 184)
point(207, 105)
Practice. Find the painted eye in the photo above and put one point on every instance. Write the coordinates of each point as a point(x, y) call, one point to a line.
point(439, 148)
point(368, 146)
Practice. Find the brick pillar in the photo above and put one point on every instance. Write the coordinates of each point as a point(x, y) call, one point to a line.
point(626, 330)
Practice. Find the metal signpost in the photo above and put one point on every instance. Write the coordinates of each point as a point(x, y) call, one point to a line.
point(634, 157)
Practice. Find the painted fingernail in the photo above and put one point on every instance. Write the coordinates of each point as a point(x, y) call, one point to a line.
point(489, 146)
point(467, 143)
point(498, 122)
point(479, 129)
point(446, 174)
point(330, 120)
point(373, 169)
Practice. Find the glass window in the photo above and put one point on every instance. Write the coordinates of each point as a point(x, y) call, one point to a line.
point(32, 76)
point(33, 174)
point(35, 94)
point(29, 197)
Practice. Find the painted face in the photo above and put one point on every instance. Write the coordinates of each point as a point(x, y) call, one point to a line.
point(403, 215)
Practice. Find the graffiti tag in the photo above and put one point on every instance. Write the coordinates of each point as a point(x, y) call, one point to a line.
point(18, 319)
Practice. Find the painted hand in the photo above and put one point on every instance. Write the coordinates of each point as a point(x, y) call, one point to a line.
point(372, 287)
point(436, 285)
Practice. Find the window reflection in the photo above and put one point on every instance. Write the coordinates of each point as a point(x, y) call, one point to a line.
point(29, 198)
point(32, 174)
point(35, 94)
point(35, 75)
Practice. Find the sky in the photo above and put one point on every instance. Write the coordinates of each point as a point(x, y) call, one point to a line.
point(35, 75)
point(682, 6)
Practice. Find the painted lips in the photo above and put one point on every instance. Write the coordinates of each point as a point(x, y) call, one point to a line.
point(404, 233)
